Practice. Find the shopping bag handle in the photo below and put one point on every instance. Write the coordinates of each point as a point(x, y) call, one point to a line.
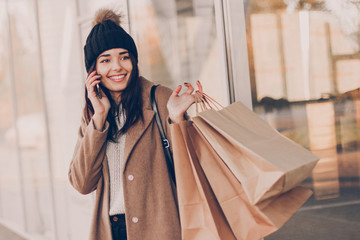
point(206, 102)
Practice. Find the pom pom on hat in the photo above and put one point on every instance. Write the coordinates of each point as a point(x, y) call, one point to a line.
point(106, 14)
point(107, 34)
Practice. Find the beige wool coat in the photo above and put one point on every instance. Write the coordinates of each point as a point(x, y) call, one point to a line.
point(150, 197)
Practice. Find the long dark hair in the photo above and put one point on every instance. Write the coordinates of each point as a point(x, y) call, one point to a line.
point(131, 101)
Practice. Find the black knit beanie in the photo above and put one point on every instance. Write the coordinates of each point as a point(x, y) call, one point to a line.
point(107, 34)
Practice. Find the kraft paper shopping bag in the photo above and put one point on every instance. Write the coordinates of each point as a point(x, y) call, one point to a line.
point(264, 161)
point(200, 214)
point(247, 221)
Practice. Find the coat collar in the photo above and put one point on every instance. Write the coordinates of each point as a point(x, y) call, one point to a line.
point(137, 130)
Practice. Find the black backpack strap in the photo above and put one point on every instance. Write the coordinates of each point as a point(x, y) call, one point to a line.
point(165, 141)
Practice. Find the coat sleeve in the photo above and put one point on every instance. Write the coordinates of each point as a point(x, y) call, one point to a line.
point(86, 165)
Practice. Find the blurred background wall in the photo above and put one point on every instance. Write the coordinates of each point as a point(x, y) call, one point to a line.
point(42, 85)
point(295, 63)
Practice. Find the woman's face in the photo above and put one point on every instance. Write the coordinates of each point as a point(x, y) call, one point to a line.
point(115, 67)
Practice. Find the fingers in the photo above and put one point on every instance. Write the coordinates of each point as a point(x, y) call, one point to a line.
point(90, 83)
point(190, 88)
point(91, 90)
point(199, 86)
point(89, 77)
point(176, 91)
point(92, 76)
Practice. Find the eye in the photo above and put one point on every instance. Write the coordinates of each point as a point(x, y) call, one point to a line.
point(125, 57)
point(104, 61)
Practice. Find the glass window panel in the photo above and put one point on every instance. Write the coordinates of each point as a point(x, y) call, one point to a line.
point(304, 65)
point(11, 208)
point(30, 122)
point(178, 42)
point(63, 88)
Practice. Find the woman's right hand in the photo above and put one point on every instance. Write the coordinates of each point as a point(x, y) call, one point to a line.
point(101, 105)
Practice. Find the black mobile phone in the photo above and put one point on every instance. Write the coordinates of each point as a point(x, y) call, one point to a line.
point(98, 91)
point(97, 87)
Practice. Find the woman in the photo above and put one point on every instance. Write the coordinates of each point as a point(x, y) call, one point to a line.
point(119, 151)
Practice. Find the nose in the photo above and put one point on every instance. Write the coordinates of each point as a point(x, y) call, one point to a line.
point(116, 66)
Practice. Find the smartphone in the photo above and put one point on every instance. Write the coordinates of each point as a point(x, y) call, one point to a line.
point(97, 87)
point(98, 91)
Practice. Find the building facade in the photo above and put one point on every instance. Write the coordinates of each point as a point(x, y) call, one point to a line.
point(295, 63)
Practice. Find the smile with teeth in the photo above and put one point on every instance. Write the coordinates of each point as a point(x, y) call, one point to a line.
point(118, 78)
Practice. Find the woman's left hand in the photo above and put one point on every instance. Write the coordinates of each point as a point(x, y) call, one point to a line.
point(178, 105)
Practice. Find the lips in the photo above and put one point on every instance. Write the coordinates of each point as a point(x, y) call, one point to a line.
point(117, 78)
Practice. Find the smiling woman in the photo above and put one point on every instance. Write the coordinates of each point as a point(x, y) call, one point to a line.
point(119, 144)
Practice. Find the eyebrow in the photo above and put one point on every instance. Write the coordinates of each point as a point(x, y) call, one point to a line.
point(108, 55)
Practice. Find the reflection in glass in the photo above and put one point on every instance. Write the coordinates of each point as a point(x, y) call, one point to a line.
point(304, 70)
point(321, 125)
point(177, 42)
point(326, 175)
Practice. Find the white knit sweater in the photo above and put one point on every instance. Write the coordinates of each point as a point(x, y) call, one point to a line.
point(115, 157)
